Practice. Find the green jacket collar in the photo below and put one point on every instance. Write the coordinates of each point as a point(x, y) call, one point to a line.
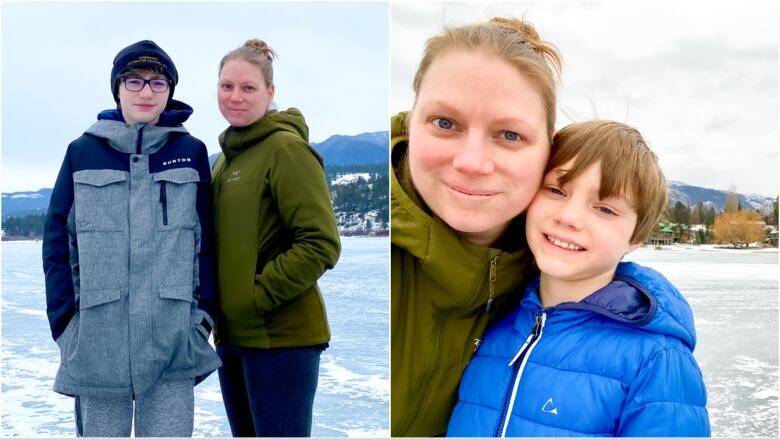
point(235, 140)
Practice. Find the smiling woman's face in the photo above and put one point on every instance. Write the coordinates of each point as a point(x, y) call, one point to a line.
point(478, 142)
point(242, 95)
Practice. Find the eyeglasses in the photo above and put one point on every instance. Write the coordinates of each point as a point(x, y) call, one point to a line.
point(138, 84)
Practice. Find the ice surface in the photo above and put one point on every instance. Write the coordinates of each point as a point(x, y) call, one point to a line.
point(353, 391)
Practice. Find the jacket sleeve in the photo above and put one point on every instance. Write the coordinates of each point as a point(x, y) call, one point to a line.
point(205, 291)
point(297, 183)
point(667, 398)
point(60, 290)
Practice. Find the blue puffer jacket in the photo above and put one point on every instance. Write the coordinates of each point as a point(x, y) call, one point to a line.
point(617, 363)
point(128, 257)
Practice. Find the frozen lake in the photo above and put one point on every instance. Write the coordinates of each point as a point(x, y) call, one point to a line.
point(353, 391)
point(734, 295)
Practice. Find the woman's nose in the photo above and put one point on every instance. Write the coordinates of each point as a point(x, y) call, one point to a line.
point(474, 156)
point(235, 96)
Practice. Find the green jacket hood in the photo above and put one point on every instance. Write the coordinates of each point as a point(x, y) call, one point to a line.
point(235, 140)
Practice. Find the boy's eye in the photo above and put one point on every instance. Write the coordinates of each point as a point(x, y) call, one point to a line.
point(606, 210)
point(134, 82)
point(554, 190)
point(443, 123)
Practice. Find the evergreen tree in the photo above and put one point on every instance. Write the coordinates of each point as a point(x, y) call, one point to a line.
point(680, 213)
point(30, 226)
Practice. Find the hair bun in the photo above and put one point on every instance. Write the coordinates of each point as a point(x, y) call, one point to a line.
point(531, 36)
point(520, 26)
point(261, 47)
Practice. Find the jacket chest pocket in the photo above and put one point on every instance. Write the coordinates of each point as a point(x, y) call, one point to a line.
point(176, 191)
point(101, 200)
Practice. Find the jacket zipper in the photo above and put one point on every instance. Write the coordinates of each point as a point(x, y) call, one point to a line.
point(424, 381)
point(491, 284)
point(164, 201)
point(139, 141)
point(413, 412)
point(518, 365)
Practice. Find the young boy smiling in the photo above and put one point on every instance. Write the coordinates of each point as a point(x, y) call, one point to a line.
point(597, 347)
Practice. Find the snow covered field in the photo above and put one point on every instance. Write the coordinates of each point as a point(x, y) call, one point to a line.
point(734, 296)
point(353, 391)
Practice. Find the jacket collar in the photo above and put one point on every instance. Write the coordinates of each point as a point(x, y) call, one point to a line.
point(638, 296)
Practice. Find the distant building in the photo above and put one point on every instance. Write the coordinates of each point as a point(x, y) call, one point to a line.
point(664, 234)
point(771, 236)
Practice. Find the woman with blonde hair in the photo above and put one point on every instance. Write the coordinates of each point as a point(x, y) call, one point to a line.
point(276, 235)
point(467, 160)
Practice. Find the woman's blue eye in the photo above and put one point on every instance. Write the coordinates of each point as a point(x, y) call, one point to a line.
point(511, 136)
point(444, 124)
point(248, 89)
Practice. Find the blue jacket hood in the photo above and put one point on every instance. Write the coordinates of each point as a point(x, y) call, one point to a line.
point(637, 296)
point(175, 114)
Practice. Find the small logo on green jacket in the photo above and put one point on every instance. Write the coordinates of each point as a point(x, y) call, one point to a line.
point(234, 176)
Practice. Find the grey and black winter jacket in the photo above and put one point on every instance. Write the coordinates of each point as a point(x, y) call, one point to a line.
point(128, 257)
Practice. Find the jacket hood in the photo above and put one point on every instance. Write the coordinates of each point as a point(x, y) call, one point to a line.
point(446, 257)
point(638, 296)
point(122, 137)
point(234, 140)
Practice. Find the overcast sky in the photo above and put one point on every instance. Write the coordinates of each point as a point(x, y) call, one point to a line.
point(698, 79)
point(56, 62)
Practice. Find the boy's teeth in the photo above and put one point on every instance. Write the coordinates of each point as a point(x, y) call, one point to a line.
point(566, 245)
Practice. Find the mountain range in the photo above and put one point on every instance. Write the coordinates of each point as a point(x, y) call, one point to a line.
point(373, 148)
point(361, 149)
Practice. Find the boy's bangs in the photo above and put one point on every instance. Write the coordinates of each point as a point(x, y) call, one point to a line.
point(618, 165)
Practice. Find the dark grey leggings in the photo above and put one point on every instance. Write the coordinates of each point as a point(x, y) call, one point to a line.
point(269, 392)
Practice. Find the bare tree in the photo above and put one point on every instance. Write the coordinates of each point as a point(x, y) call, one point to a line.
point(732, 200)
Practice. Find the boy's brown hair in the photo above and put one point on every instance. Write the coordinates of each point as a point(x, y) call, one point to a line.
point(628, 167)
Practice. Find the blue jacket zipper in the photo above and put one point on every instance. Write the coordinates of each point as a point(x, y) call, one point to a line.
point(164, 201)
point(516, 364)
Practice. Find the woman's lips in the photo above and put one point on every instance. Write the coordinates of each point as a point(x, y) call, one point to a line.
point(471, 192)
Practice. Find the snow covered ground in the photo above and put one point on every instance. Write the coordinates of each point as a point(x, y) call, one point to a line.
point(734, 297)
point(353, 391)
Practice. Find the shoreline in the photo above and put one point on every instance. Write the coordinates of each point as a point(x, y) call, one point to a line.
point(380, 234)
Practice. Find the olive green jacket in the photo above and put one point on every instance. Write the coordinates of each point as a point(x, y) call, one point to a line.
point(276, 235)
point(440, 285)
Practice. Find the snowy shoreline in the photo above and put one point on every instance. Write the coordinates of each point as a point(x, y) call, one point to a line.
point(710, 248)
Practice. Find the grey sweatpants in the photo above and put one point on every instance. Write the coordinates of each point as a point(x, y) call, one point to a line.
point(167, 409)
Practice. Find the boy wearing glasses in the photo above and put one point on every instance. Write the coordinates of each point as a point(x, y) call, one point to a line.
point(127, 254)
